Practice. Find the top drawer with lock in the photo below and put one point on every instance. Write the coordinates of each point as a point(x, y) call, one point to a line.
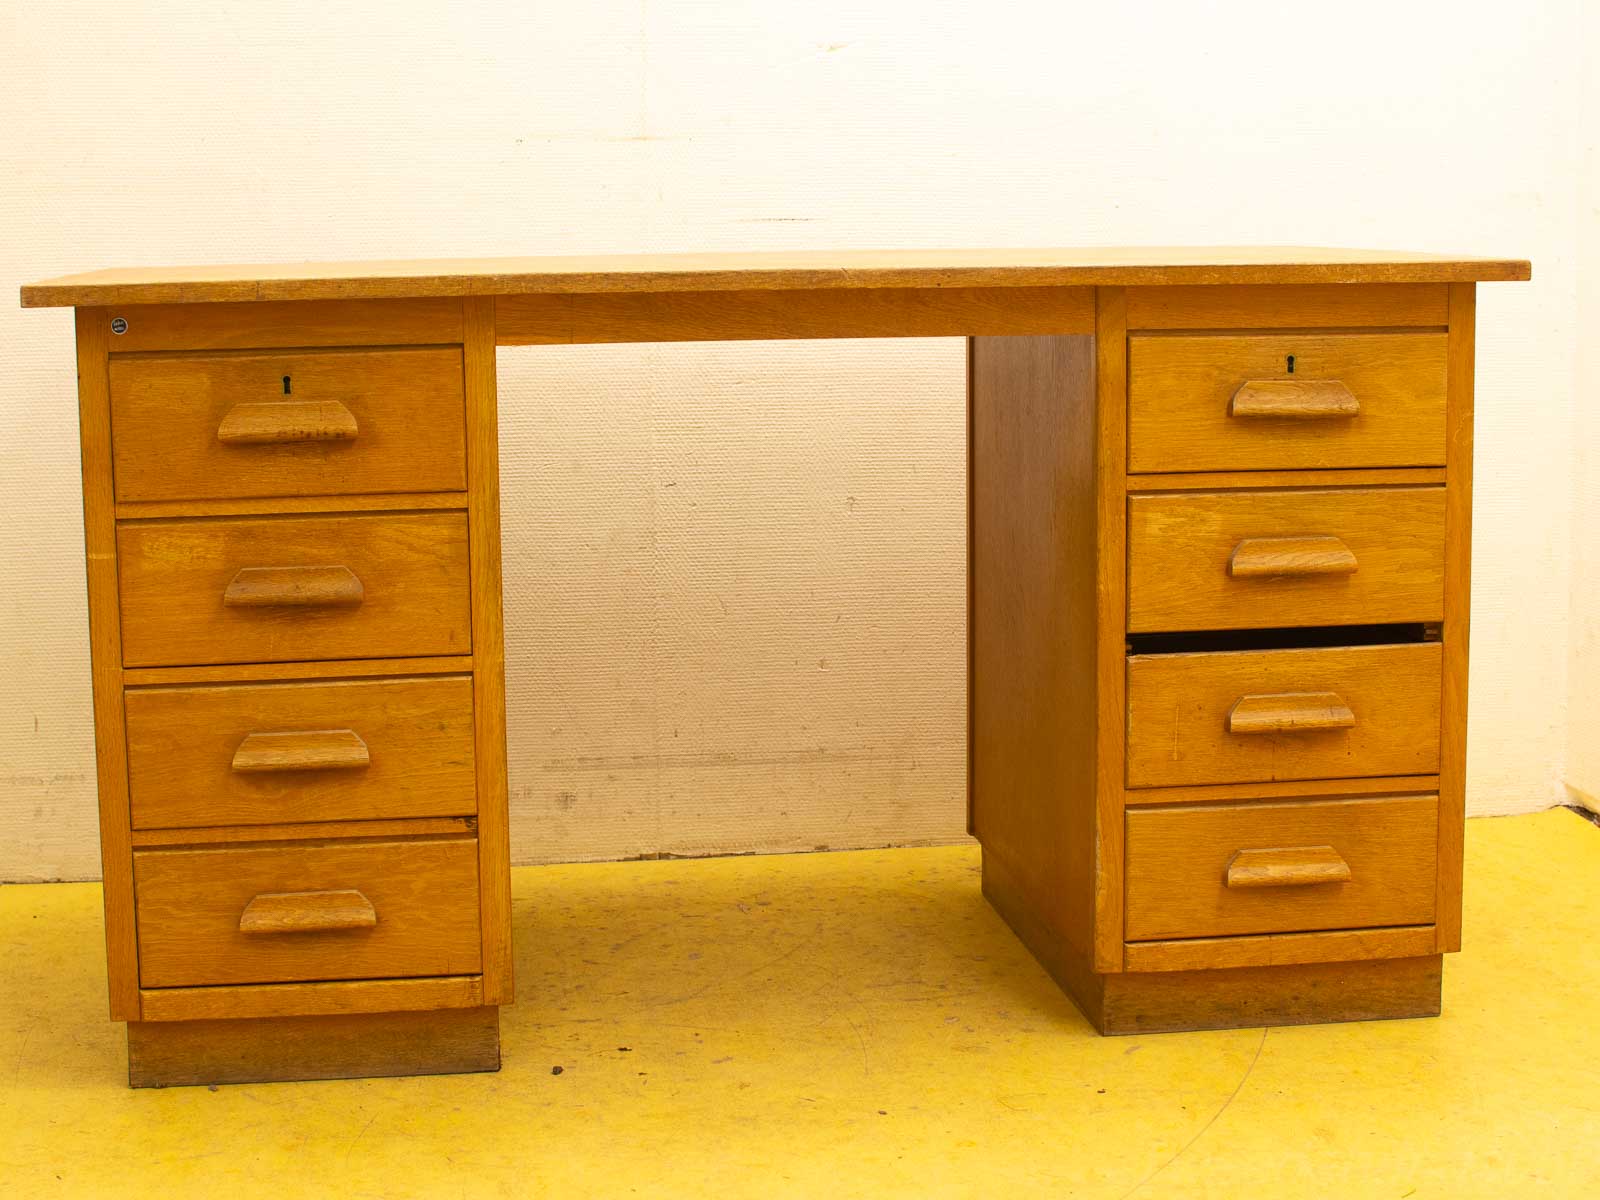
point(228, 425)
point(1285, 401)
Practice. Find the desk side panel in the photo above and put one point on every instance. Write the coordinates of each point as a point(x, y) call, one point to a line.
point(1109, 421)
point(1033, 624)
point(1457, 612)
point(105, 659)
point(488, 648)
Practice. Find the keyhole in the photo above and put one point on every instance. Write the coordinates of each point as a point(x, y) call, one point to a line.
point(286, 378)
point(1290, 362)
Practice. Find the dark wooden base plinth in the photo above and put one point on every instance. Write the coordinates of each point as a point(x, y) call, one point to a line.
point(276, 1049)
point(1172, 1001)
point(1309, 994)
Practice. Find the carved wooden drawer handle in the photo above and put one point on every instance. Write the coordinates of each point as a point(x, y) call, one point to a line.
point(271, 422)
point(1292, 866)
point(1290, 712)
point(1294, 400)
point(310, 750)
point(294, 587)
point(1258, 558)
point(307, 912)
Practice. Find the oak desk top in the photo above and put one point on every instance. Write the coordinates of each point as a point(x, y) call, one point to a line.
point(772, 270)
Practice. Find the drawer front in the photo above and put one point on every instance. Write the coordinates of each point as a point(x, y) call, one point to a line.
point(334, 910)
point(1264, 715)
point(1241, 560)
point(296, 423)
point(290, 589)
point(1230, 403)
point(1223, 870)
point(252, 754)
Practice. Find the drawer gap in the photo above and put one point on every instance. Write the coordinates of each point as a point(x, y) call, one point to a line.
point(1280, 933)
point(1294, 638)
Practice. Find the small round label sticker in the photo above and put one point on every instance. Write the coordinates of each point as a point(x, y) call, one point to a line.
point(119, 325)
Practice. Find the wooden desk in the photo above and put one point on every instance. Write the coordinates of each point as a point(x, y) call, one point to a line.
point(1220, 507)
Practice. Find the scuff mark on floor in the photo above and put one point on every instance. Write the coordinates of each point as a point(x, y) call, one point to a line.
point(1185, 1148)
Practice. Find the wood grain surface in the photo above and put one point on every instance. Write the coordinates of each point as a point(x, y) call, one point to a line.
point(412, 568)
point(489, 652)
point(793, 269)
point(1289, 306)
point(1312, 993)
point(534, 320)
point(271, 1049)
point(105, 658)
point(1179, 707)
point(424, 892)
point(1184, 393)
point(172, 415)
point(1111, 584)
point(1033, 623)
point(1282, 949)
point(267, 324)
point(1457, 614)
point(182, 743)
point(1178, 861)
point(1180, 546)
point(244, 1001)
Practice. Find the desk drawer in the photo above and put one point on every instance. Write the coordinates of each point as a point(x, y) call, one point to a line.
point(1241, 560)
point(1230, 403)
point(1222, 870)
point(1262, 715)
point(328, 910)
point(289, 589)
point(346, 750)
point(295, 423)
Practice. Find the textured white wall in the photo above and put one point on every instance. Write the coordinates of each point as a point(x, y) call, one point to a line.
point(735, 573)
point(1583, 758)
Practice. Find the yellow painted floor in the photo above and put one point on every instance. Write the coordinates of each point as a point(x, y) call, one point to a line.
point(836, 1025)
